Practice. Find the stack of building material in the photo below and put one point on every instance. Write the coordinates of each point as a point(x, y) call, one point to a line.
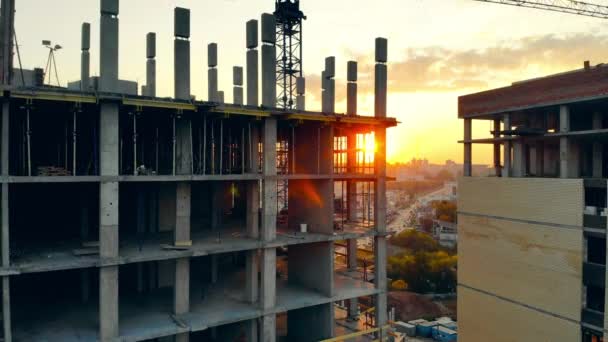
point(426, 329)
point(443, 334)
point(406, 328)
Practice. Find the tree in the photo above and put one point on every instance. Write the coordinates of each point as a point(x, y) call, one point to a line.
point(445, 210)
point(425, 266)
point(415, 241)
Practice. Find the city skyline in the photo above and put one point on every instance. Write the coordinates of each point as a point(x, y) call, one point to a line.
point(429, 66)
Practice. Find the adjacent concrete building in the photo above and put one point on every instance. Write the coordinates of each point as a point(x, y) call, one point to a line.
point(532, 241)
point(139, 218)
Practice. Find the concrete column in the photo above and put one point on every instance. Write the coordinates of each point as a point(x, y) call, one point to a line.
point(252, 63)
point(568, 149)
point(181, 64)
point(519, 159)
point(380, 221)
point(181, 288)
point(4, 164)
point(381, 80)
point(251, 262)
point(269, 63)
point(540, 158)
point(506, 172)
point(598, 148)
point(150, 65)
point(268, 231)
point(237, 80)
point(212, 82)
point(324, 96)
point(108, 51)
point(351, 88)
point(108, 225)
point(330, 90)
point(301, 91)
point(351, 260)
point(85, 58)
point(497, 166)
point(468, 147)
point(108, 161)
point(183, 160)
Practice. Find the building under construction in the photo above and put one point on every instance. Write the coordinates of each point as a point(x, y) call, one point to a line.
point(129, 217)
point(532, 241)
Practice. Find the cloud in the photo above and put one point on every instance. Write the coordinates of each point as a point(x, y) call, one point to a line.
point(438, 69)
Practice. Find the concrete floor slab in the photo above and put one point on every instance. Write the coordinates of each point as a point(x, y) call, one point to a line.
point(60, 256)
point(70, 322)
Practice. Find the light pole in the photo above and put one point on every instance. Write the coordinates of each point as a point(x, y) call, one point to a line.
point(51, 63)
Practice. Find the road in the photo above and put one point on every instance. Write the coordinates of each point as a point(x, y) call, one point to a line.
point(399, 223)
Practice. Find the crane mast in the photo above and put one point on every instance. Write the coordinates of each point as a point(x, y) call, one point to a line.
point(564, 6)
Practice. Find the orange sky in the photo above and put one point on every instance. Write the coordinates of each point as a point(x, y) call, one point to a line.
point(438, 50)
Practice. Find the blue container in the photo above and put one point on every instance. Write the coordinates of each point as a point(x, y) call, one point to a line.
point(443, 334)
point(425, 329)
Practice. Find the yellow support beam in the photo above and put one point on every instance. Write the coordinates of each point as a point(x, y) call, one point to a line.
point(158, 104)
point(311, 117)
point(239, 111)
point(54, 96)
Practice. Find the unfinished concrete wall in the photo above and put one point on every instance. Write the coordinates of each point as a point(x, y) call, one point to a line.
point(484, 318)
point(519, 260)
point(312, 266)
point(311, 203)
point(531, 199)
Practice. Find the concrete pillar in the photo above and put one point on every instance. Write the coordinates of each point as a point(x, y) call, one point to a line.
point(237, 80)
point(568, 149)
point(4, 164)
point(598, 149)
point(468, 147)
point(181, 288)
point(351, 88)
point(324, 96)
point(220, 96)
point(330, 90)
point(108, 161)
point(497, 166)
point(380, 221)
point(539, 150)
point(251, 262)
point(150, 65)
point(381, 80)
point(183, 163)
point(108, 51)
point(269, 85)
point(268, 230)
point(506, 172)
point(301, 93)
point(181, 64)
point(212, 82)
point(351, 260)
point(108, 225)
point(519, 159)
point(252, 63)
point(85, 58)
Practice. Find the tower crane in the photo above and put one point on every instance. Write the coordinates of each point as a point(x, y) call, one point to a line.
point(565, 6)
